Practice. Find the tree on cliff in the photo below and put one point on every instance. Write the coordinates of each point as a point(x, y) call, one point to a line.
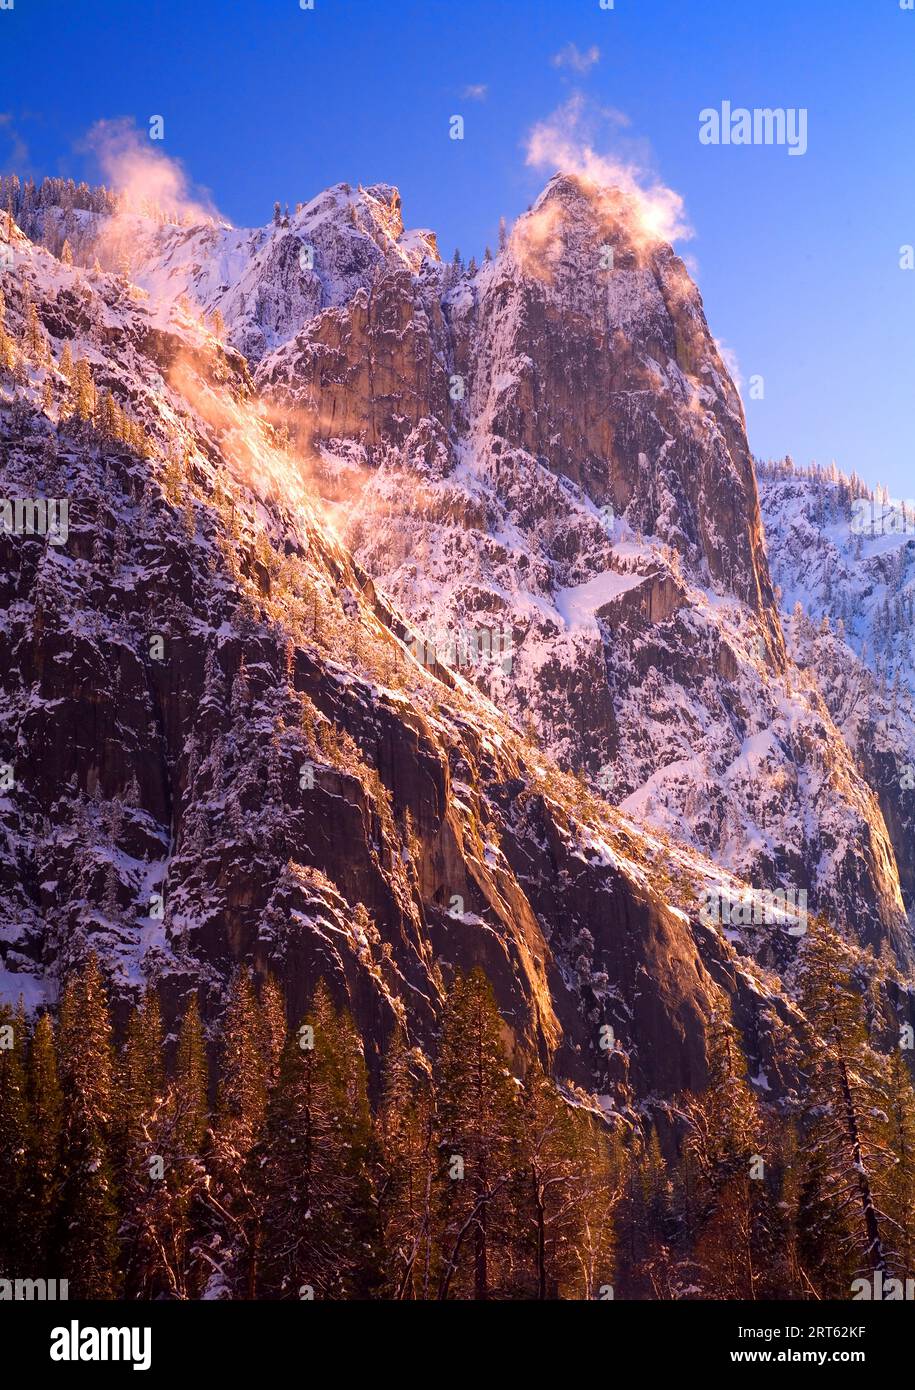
point(847, 1157)
point(408, 1159)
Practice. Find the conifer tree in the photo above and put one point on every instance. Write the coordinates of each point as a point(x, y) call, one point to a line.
point(165, 1266)
point(189, 1090)
point(788, 1277)
point(108, 422)
point(408, 1157)
point(242, 1095)
point(273, 1020)
point(900, 1179)
point(7, 351)
point(724, 1121)
point(845, 1146)
point(141, 1080)
point(88, 1205)
point(44, 1162)
point(647, 1221)
point(724, 1142)
point(569, 1193)
point(479, 1144)
point(232, 1198)
point(140, 1145)
point(14, 1125)
point(317, 1212)
point(84, 399)
point(656, 1187)
point(34, 338)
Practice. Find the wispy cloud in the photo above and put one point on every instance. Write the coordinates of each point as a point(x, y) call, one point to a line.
point(571, 56)
point(730, 360)
point(146, 178)
point(475, 92)
point(536, 241)
point(18, 157)
point(566, 142)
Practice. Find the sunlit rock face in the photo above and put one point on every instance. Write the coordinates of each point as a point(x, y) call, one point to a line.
point(224, 746)
point(219, 749)
point(551, 445)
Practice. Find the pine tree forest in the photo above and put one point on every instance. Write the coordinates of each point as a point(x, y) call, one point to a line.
point(257, 1158)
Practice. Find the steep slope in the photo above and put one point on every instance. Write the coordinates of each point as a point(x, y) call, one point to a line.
point(266, 281)
point(844, 562)
point(548, 455)
point(222, 749)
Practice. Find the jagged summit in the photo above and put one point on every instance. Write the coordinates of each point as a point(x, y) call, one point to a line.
point(589, 487)
point(373, 211)
point(552, 451)
point(585, 200)
point(265, 282)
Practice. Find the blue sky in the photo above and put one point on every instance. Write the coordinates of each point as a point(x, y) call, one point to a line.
point(797, 257)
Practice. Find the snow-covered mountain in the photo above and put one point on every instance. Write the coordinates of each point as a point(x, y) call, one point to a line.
point(843, 558)
point(410, 616)
point(552, 447)
point(265, 281)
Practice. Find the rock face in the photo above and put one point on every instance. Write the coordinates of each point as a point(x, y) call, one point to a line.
point(228, 746)
point(552, 448)
point(608, 378)
point(845, 566)
point(222, 750)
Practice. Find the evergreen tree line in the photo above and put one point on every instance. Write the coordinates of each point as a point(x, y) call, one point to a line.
point(117, 1174)
point(24, 199)
point(276, 1178)
point(762, 1202)
point(842, 486)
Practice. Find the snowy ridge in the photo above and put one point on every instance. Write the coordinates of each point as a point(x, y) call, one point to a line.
point(621, 545)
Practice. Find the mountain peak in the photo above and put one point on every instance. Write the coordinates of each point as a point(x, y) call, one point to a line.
point(640, 217)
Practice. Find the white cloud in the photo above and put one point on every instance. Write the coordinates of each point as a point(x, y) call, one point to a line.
point(729, 358)
point(571, 56)
point(476, 91)
point(565, 142)
point(146, 178)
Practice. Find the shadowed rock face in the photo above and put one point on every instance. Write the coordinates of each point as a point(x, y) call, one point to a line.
point(552, 446)
point(427, 847)
point(224, 752)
